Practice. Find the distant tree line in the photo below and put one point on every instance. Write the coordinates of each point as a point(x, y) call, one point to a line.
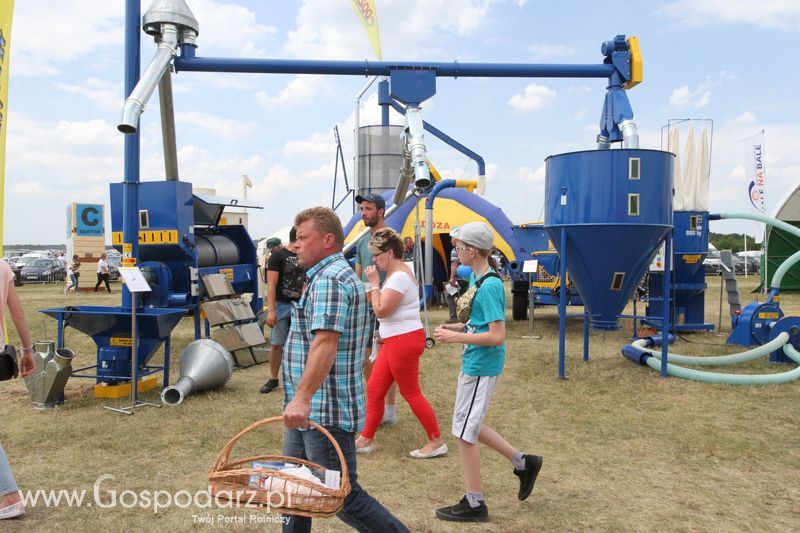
point(733, 242)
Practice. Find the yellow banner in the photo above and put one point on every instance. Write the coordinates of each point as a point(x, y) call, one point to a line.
point(6, 14)
point(365, 9)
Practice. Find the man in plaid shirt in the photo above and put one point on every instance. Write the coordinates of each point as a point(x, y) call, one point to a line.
point(323, 363)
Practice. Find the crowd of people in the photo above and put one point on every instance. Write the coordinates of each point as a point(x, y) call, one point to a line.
point(348, 322)
point(335, 326)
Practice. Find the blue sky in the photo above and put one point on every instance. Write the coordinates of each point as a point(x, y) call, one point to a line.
point(729, 61)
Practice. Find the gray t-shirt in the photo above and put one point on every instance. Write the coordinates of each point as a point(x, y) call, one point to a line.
point(364, 256)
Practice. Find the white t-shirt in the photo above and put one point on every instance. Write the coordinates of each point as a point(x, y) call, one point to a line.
point(102, 266)
point(405, 318)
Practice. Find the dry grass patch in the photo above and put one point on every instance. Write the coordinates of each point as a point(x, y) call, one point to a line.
point(624, 449)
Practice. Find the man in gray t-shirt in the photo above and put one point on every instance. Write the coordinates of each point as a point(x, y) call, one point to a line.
point(373, 207)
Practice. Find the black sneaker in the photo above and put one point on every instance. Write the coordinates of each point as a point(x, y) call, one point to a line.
point(527, 476)
point(269, 386)
point(462, 512)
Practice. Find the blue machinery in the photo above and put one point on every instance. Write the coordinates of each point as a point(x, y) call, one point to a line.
point(606, 212)
point(411, 83)
point(762, 325)
point(687, 299)
point(185, 241)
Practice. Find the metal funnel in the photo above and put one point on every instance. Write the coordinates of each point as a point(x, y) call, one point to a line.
point(205, 365)
point(52, 370)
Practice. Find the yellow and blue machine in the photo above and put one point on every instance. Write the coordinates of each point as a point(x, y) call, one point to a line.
point(544, 285)
point(181, 239)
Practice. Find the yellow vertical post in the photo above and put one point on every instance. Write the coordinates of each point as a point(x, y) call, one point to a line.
point(6, 14)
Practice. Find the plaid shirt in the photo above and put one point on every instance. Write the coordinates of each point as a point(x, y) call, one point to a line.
point(334, 300)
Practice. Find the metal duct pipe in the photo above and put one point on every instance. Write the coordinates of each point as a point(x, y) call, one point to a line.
point(415, 138)
point(168, 126)
point(406, 173)
point(630, 134)
point(134, 104)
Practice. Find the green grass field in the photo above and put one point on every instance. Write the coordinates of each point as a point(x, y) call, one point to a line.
point(624, 449)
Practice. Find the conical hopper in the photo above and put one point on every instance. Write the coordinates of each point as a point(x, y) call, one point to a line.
point(615, 207)
point(102, 323)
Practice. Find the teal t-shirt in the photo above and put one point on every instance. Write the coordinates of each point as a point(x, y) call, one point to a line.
point(489, 305)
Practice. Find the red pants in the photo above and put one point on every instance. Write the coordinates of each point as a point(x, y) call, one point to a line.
point(398, 360)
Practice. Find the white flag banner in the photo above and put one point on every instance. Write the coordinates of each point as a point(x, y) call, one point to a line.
point(755, 171)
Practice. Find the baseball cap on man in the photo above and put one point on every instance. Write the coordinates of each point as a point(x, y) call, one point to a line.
point(376, 199)
point(476, 234)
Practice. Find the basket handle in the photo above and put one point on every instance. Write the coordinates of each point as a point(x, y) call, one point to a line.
point(225, 453)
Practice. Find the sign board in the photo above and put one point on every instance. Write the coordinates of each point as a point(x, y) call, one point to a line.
point(530, 266)
point(89, 220)
point(134, 280)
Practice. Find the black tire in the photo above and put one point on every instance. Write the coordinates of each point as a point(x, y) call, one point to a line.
point(519, 306)
point(430, 343)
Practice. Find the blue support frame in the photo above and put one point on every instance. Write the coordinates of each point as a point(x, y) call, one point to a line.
point(130, 225)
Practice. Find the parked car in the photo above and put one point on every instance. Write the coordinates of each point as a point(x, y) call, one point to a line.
point(22, 261)
point(43, 270)
point(753, 264)
point(712, 265)
point(12, 261)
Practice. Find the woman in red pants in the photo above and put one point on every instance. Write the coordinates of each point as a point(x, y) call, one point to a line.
point(396, 305)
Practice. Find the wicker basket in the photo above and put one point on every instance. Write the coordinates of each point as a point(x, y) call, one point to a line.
point(229, 481)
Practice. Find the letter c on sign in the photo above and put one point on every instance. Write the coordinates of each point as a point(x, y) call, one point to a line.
point(89, 216)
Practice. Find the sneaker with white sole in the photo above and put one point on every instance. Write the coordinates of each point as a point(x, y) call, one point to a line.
point(12, 511)
point(462, 512)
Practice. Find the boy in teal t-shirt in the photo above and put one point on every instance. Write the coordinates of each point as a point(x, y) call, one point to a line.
point(482, 332)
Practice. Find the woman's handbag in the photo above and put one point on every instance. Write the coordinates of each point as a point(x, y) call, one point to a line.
point(8, 363)
point(464, 304)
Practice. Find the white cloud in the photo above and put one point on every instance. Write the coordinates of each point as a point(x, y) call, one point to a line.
point(684, 97)
point(579, 115)
point(326, 31)
point(775, 14)
point(745, 118)
point(298, 92)
point(230, 29)
point(319, 145)
point(43, 44)
point(551, 51)
point(530, 176)
point(224, 128)
point(106, 94)
point(534, 98)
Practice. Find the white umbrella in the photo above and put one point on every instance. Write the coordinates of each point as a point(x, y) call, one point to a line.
point(674, 146)
point(703, 171)
point(689, 171)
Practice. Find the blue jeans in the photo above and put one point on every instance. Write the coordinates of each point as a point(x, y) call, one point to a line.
point(7, 483)
point(361, 511)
